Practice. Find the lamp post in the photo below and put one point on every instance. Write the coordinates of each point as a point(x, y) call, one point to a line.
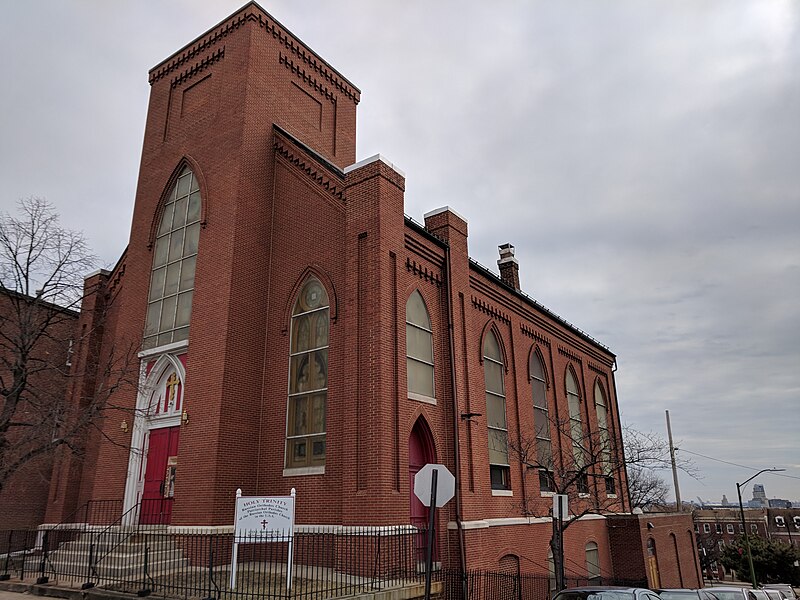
point(744, 526)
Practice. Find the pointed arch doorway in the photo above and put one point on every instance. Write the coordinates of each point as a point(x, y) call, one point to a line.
point(421, 451)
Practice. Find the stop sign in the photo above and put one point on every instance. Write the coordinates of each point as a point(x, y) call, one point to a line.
point(445, 485)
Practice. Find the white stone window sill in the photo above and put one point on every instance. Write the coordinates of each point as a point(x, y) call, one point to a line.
point(547, 494)
point(502, 493)
point(298, 472)
point(421, 398)
point(611, 495)
point(583, 495)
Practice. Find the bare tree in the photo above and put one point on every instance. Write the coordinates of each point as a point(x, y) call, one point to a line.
point(646, 487)
point(588, 471)
point(42, 269)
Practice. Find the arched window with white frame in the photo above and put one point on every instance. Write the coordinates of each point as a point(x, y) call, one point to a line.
point(419, 349)
point(494, 374)
point(541, 423)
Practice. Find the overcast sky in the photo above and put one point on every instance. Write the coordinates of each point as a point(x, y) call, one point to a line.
point(643, 157)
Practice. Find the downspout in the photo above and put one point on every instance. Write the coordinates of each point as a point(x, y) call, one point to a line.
point(619, 432)
point(462, 544)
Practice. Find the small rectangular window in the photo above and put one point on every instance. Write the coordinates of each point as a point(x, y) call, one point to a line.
point(546, 483)
point(611, 486)
point(741, 528)
point(706, 528)
point(730, 528)
point(779, 522)
point(753, 527)
point(718, 528)
point(582, 483)
point(500, 477)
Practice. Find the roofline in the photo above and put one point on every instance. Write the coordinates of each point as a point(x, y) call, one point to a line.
point(517, 293)
point(540, 307)
point(310, 151)
point(277, 22)
point(70, 311)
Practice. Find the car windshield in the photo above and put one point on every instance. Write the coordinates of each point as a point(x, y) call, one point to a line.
point(774, 594)
point(595, 595)
point(724, 594)
point(677, 594)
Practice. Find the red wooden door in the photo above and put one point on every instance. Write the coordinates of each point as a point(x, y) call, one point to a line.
point(159, 483)
point(420, 453)
point(417, 458)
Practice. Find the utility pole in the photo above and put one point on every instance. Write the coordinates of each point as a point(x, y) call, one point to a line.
point(674, 466)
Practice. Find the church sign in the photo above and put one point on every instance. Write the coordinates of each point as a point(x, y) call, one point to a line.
point(261, 519)
point(258, 518)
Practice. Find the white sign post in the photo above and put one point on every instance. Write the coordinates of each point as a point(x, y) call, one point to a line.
point(262, 519)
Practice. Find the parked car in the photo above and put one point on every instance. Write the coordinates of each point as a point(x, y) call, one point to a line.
point(775, 594)
point(731, 593)
point(680, 594)
point(784, 588)
point(606, 592)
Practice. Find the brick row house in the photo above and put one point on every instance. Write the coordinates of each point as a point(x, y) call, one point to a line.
point(297, 330)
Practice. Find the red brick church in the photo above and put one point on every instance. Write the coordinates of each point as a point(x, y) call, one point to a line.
point(297, 330)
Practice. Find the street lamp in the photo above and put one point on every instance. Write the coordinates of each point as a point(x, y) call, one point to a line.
point(744, 526)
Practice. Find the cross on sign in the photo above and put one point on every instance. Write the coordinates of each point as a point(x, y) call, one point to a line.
point(264, 524)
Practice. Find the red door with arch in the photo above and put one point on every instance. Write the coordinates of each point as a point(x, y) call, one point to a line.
point(159, 476)
point(420, 453)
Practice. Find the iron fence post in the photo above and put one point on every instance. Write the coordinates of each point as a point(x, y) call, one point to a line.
point(5, 576)
point(89, 583)
point(42, 577)
point(144, 591)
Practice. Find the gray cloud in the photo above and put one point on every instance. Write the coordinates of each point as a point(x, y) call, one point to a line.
point(642, 157)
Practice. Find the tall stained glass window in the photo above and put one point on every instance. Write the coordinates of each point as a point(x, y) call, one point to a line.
point(308, 377)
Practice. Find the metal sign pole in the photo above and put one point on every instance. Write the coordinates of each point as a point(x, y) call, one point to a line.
point(431, 524)
point(290, 561)
point(234, 554)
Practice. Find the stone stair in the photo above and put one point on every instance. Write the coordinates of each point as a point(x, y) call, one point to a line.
point(117, 554)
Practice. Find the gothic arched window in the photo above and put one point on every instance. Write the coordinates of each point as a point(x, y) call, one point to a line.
point(494, 373)
point(419, 348)
point(601, 407)
point(308, 377)
point(175, 252)
point(592, 563)
point(541, 423)
point(576, 431)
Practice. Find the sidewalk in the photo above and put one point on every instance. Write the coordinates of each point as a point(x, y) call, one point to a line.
point(18, 590)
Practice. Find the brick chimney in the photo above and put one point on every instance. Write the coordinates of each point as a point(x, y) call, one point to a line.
point(509, 267)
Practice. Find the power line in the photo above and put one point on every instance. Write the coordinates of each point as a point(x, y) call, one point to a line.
point(732, 463)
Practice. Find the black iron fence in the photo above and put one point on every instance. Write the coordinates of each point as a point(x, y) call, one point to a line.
point(326, 563)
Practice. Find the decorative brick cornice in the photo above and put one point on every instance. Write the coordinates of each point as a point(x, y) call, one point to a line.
point(311, 168)
point(308, 79)
point(533, 334)
point(490, 310)
point(311, 60)
point(597, 368)
point(253, 13)
point(563, 351)
point(423, 272)
point(198, 67)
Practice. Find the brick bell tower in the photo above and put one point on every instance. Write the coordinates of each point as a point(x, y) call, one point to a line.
point(215, 109)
